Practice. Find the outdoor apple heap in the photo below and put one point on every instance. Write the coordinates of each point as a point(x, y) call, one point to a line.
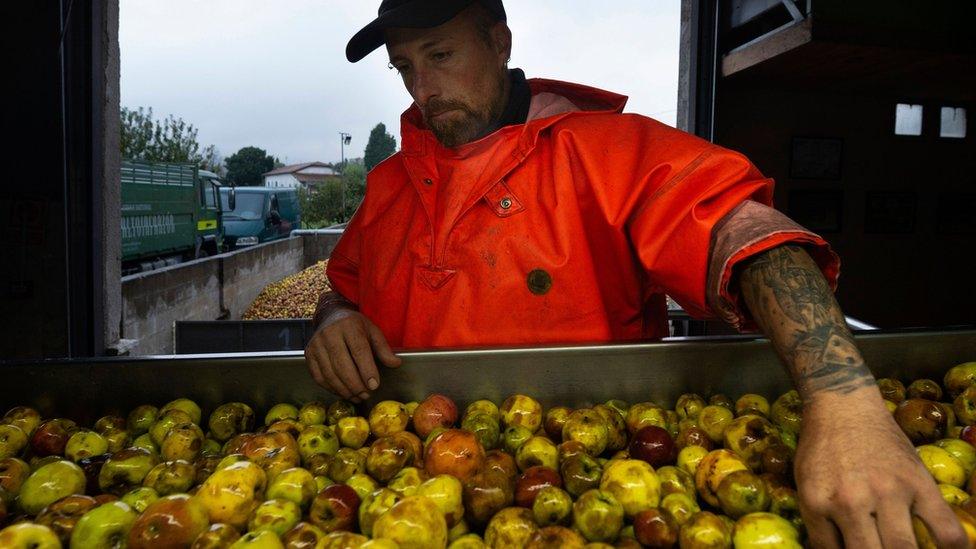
point(708, 473)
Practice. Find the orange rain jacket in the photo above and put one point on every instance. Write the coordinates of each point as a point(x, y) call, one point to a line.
point(569, 228)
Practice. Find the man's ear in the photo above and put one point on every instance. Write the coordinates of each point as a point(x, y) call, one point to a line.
point(501, 38)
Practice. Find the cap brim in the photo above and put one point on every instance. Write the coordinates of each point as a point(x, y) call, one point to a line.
point(422, 14)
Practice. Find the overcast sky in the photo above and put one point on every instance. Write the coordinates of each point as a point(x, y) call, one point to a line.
point(274, 74)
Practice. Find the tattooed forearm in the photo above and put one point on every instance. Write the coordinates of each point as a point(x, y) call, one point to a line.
point(790, 300)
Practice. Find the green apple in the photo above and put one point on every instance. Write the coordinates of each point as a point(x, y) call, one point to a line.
point(296, 485)
point(141, 419)
point(414, 522)
point(362, 484)
point(447, 493)
point(171, 477)
point(27, 535)
point(537, 451)
point(104, 527)
point(262, 539)
point(25, 417)
point(218, 536)
point(388, 417)
point(145, 442)
point(485, 428)
point(140, 498)
point(338, 410)
point(552, 506)
point(184, 405)
point(374, 506)
point(765, 530)
point(468, 541)
point(352, 431)
point(633, 483)
point(313, 413)
point(346, 463)
point(230, 419)
point(50, 483)
point(590, 428)
point(183, 441)
point(125, 470)
point(483, 407)
point(514, 437)
point(13, 440)
point(510, 527)
point(598, 516)
point(317, 439)
point(275, 515)
point(166, 421)
point(84, 444)
point(279, 412)
point(116, 438)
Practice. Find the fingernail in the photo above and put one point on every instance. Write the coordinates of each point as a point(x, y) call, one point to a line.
point(372, 384)
point(364, 396)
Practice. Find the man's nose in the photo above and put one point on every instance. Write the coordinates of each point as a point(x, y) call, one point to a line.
point(424, 87)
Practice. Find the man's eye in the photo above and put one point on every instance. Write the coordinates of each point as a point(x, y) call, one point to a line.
point(441, 55)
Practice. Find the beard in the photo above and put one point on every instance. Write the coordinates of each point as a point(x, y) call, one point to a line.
point(465, 122)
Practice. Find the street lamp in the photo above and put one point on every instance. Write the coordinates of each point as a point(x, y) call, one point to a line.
point(344, 139)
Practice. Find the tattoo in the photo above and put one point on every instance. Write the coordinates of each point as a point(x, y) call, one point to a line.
point(789, 298)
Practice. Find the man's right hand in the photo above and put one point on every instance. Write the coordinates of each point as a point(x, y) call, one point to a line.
point(340, 355)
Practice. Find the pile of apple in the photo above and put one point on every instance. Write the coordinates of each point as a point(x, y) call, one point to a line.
point(294, 296)
point(707, 473)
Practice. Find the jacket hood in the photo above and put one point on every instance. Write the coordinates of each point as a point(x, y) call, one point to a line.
point(587, 99)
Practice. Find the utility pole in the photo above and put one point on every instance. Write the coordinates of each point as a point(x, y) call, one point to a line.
point(344, 139)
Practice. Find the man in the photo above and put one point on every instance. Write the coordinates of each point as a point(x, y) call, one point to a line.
point(534, 212)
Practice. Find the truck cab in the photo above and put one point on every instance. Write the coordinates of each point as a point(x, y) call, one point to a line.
point(258, 215)
point(209, 227)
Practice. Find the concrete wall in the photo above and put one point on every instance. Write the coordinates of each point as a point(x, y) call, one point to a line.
point(214, 288)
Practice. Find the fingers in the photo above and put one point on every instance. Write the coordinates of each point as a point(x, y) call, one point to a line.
point(345, 369)
point(381, 348)
point(895, 524)
point(860, 529)
point(940, 519)
point(362, 354)
point(820, 530)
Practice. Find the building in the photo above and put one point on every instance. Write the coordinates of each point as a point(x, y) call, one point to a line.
point(308, 176)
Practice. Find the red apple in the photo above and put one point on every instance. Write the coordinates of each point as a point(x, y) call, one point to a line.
point(656, 528)
point(532, 481)
point(486, 493)
point(435, 411)
point(50, 437)
point(454, 452)
point(62, 515)
point(501, 461)
point(334, 508)
point(653, 445)
point(170, 521)
point(969, 434)
point(92, 466)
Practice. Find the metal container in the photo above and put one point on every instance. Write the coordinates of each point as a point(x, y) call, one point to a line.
point(573, 376)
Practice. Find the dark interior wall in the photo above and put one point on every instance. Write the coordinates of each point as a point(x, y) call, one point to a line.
point(911, 273)
point(34, 303)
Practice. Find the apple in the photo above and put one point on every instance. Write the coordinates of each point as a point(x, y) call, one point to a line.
point(434, 411)
point(317, 439)
point(522, 411)
point(27, 535)
point(483, 407)
point(346, 463)
point(891, 389)
point(570, 448)
point(413, 444)
point(590, 428)
point(484, 427)
point(705, 529)
point(184, 405)
point(50, 437)
point(554, 421)
point(125, 470)
point(303, 535)
point(231, 493)
point(211, 448)
point(84, 444)
point(448, 494)
point(145, 442)
point(296, 485)
point(454, 452)
point(468, 541)
point(616, 426)
point(183, 442)
point(236, 444)
point(313, 413)
point(537, 451)
point(514, 437)
point(275, 515)
point(13, 440)
point(387, 456)
point(741, 493)
point(335, 508)
point(374, 506)
point(787, 411)
point(676, 480)
point(230, 419)
point(653, 445)
point(532, 481)
point(689, 405)
point(49, 484)
point(460, 529)
point(925, 389)
point(117, 439)
point(362, 483)
point(680, 506)
point(552, 506)
point(25, 417)
point(713, 419)
point(388, 417)
point(262, 539)
point(62, 515)
point(749, 436)
point(765, 530)
point(274, 452)
point(140, 498)
point(291, 426)
point(598, 516)
point(13, 473)
point(414, 522)
point(171, 521)
point(486, 493)
point(643, 414)
point(141, 418)
point(166, 421)
point(712, 469)
point(923, 421)
point(633, 483)
point(338, 410)
point(943, 466)
point(352, 431)
point(752, 404)
point(217, 536)
point(171, 477)
point(407, 480)
point(92, 466)
point(510, 527)
point(581, 473)
point(502, 462)
point(105, 526)
point(690, 457)
point(656, 528)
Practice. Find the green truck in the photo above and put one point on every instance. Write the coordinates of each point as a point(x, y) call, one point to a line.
point(170, 214)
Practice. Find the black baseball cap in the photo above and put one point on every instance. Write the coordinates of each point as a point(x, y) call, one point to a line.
point(411, 14)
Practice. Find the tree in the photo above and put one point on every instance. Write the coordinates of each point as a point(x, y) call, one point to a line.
point(324, 206)
point(212, 160)
point(246, 166)
point(380, 146)
point(354, 181)
point(168, 140)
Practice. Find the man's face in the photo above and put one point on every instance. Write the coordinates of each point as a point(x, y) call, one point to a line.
point(455, 74)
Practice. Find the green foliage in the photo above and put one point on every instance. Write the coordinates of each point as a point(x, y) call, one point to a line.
point(380, 146)
point(168, 140)
point(246, 166)
point(324, 206)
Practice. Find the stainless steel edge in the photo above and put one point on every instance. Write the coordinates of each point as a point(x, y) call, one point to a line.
point(571, 375)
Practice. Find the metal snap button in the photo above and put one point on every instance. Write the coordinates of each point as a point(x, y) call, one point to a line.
point(505, 203)
point(539, 281)
point(428, 181)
